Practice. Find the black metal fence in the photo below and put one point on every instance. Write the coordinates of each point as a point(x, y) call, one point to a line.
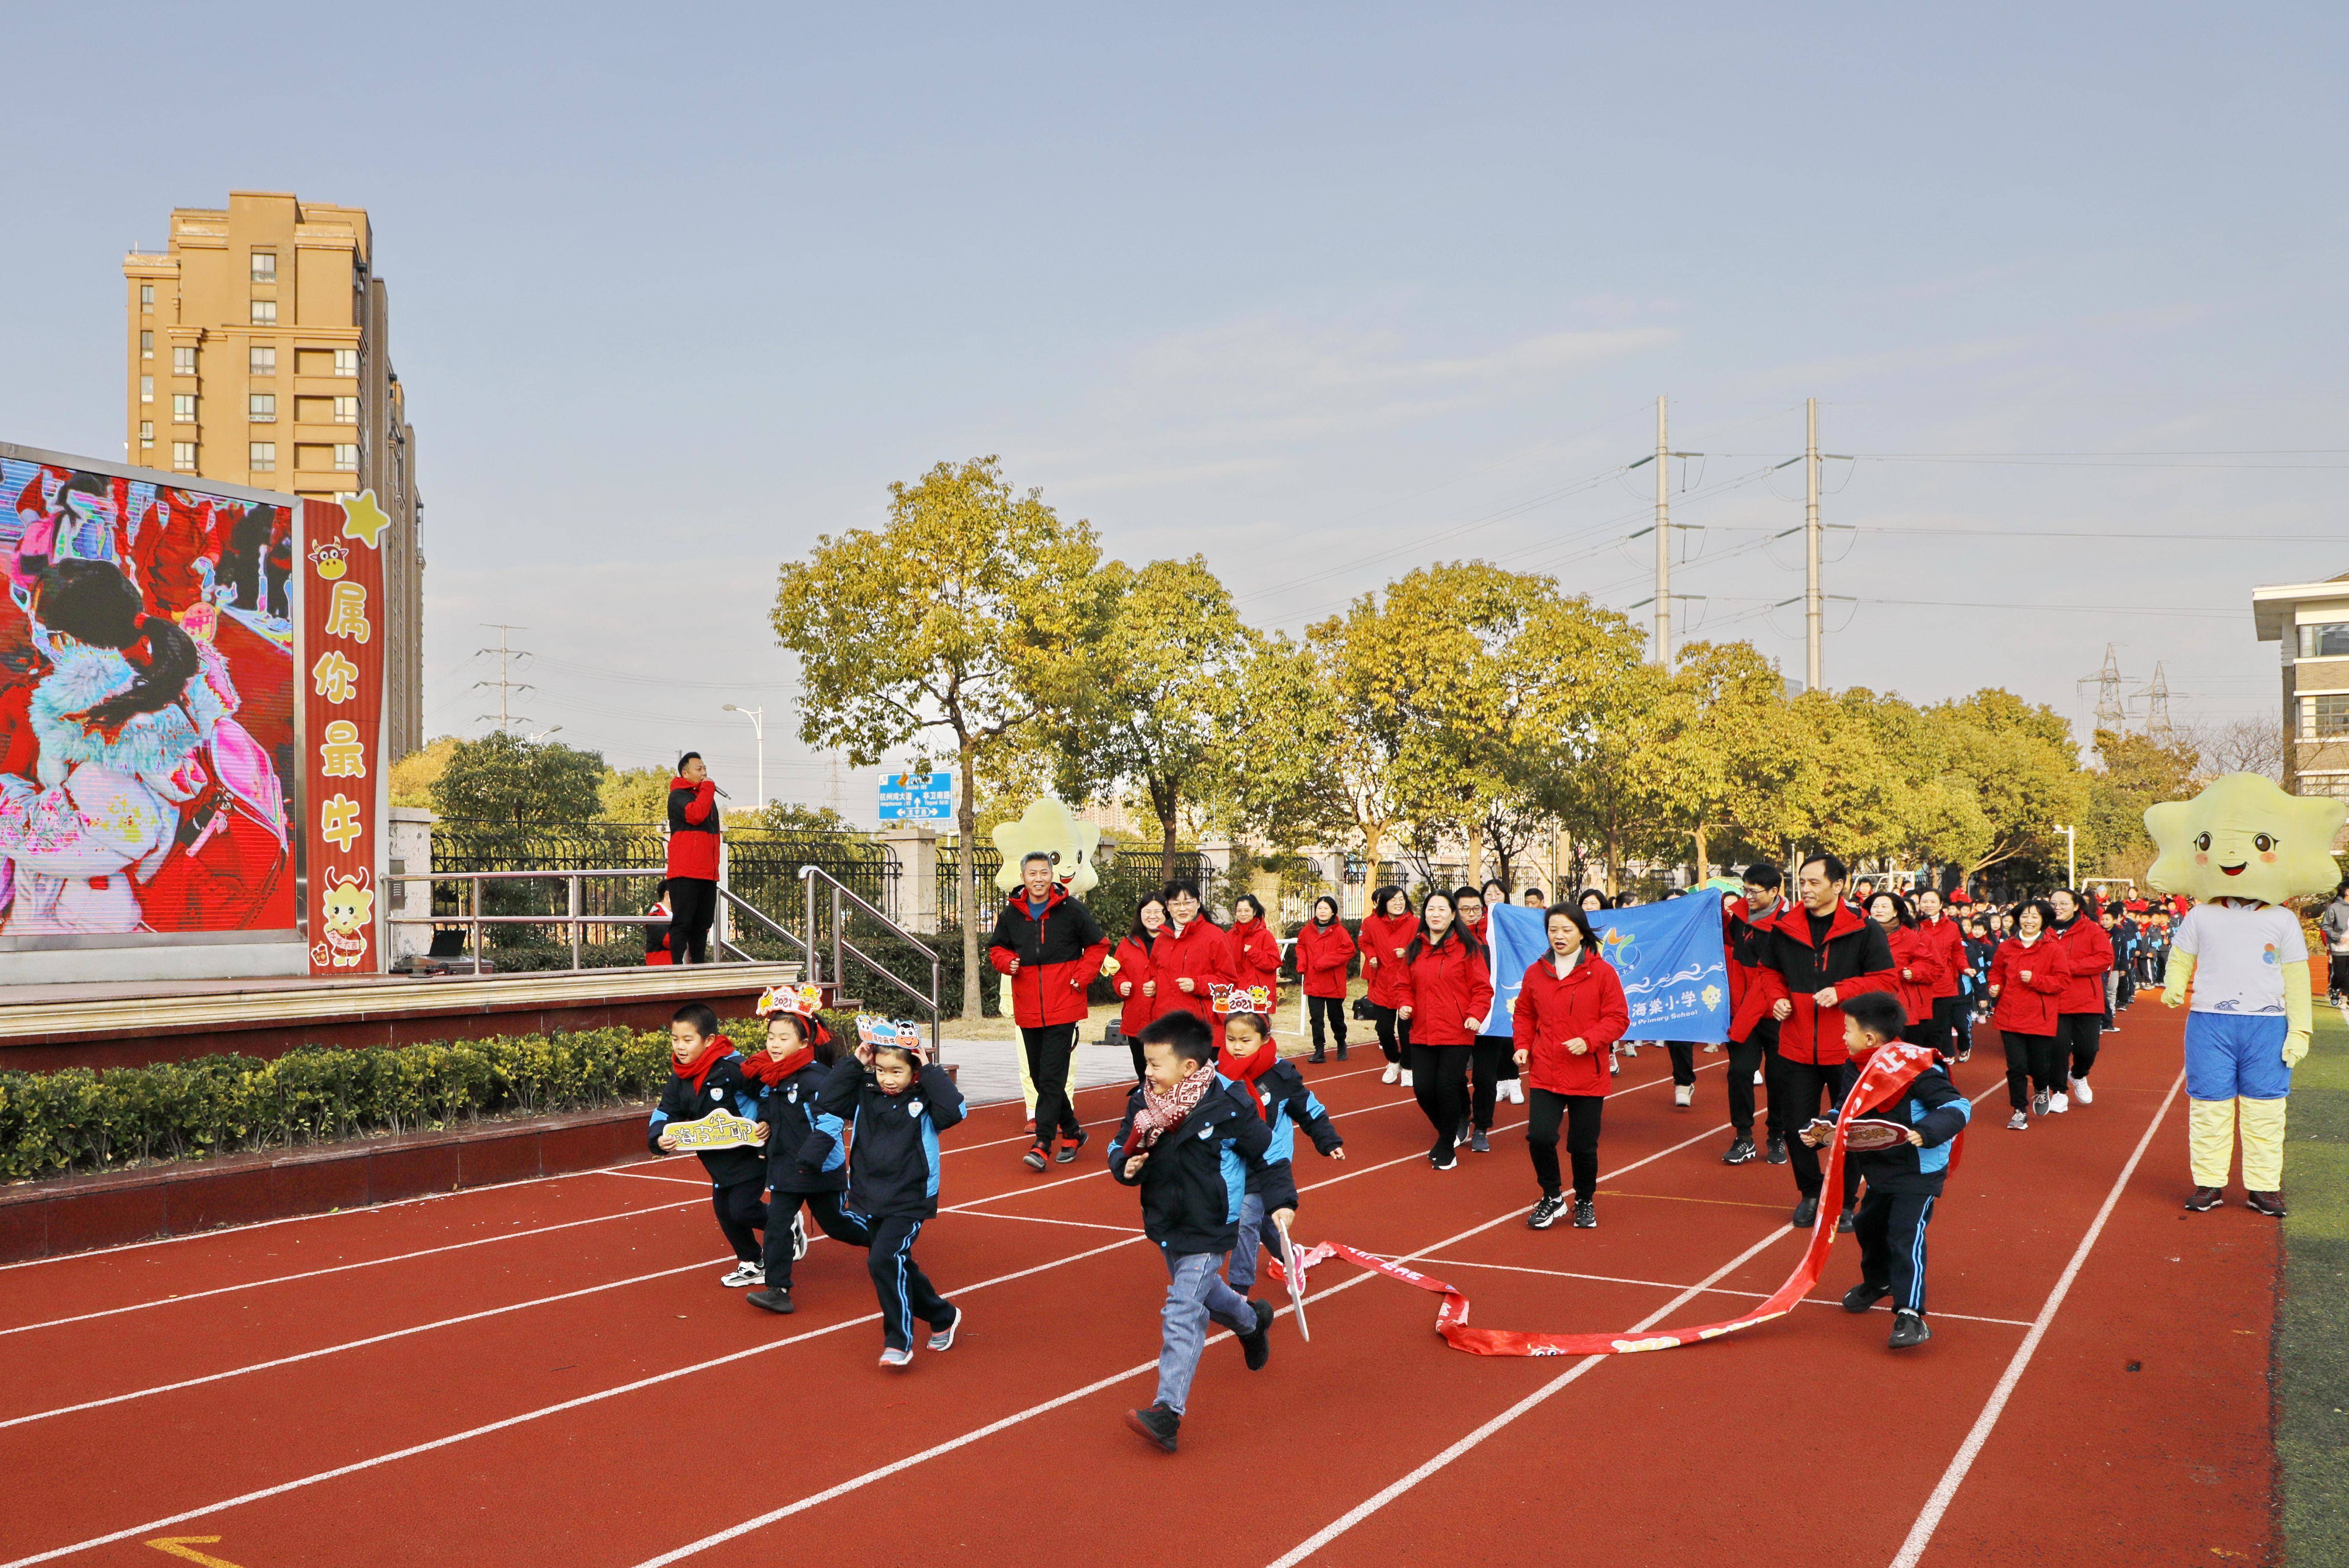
point(1125, 881)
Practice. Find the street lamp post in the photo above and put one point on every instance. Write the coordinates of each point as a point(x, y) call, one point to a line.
point(2071, 856)
point(758, 718)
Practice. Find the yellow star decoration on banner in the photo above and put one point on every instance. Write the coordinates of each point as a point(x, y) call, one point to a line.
point(364, 521)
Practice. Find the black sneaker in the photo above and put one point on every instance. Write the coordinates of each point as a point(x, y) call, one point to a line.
point(2268, 1203)
point(771, 1300)
point(1546, 1212)
point(2206, 1199)
point(1843, 1224)
point(1586, 1216)
point(1034, 1158)
point(1317, 1059)
point(1860, 1297)
point(1157, 1423)
point(1909, 1328)
point(1741, 1151)
point(1478, 1143)
point(1342, 1050)
point(1806, 1215)
point(1445, 1160)
point(1068, 1147)
point(1777, 1153)
point(1258, 1346)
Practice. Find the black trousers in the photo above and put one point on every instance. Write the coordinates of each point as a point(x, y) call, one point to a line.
point(1394, 1035)
point(1683, 1055)
point(906, 1291)
point(1438, 1081)
point(2078, 1037)
point(1581, 1112)
point(1141, 1068)
point(1795, 1099)
point(1745, 1058)
point(2030, 1063)
point(1947, 1011)
point(1048, 1051)
point(825, 1210)
point(2339, 970)
point(1333, 1008)
point(741, 1216)
point(1890, 1228)
point(1487, 1057)
point(692, 905)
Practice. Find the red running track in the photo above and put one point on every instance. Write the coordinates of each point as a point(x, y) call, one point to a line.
point(548, 1372)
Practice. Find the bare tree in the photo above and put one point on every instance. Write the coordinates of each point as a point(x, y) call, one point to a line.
point(2251, 744)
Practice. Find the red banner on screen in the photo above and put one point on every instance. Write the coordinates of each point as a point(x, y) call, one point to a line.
point(342, 707)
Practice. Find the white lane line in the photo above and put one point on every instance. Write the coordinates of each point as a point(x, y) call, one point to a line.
point(357, 1466)
point(748, 1526)
point(1710, 1290)
point(344, 1268)
point(1929, 1520)
point(702, 1181)
point(358, 1343)
point(1371, 1505)
point(385, 1207)
point(1034, 1220)
point(1127, 1089)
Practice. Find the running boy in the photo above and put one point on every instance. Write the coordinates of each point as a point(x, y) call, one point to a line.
point(709, 1077)
point(1903, 1181)
point(1191, 1143)
point(895, 1107)
point(805, 1162)
point(1251, 1062)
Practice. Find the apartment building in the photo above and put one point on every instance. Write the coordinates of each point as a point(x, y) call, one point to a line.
point(259, 355)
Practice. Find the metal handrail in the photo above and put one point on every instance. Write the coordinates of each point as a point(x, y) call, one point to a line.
point(844, 949)
point(760, 916)
point(575, 919)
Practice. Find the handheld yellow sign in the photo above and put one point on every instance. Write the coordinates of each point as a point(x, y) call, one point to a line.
point(716, 1130)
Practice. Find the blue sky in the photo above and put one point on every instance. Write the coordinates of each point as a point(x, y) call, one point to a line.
point(1323, 294)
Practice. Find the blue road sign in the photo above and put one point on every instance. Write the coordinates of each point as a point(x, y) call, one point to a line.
point(917, 798)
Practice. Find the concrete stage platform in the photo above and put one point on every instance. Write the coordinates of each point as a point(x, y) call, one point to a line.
point(111, 1024)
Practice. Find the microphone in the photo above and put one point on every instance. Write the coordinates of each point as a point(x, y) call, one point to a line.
point(721, 794)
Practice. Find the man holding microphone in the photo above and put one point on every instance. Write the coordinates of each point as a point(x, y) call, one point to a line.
point(692, 860)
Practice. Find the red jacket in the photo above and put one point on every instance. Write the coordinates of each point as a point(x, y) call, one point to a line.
point(2088, 954)
point(1201, 953)
point(693, 831)
point(1914, 951)
point(1446, 985)
point(1382, 963)
point(1854, 957)
point(1058, 956)
point(1589, 1006)
point(2027, 1006)
point(1949, 944)
point(1322, 954)
point(1256, 957)
point(1739, 940)
point(1134, 971)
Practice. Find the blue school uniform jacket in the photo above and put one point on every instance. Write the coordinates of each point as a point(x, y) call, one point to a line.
point(1285, 1105)
point(1197, 1171)
point(724, 1088)
point(805, 1151)
point(1931, 1105)
point(893, 1160)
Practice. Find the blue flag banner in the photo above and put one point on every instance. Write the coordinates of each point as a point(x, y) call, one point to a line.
point(1519, 936)
point(1674, 969)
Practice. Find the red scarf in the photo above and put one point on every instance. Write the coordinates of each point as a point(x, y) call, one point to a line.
point(698, 1069)
point(769, 1072)
point(1247, 1070)
point(1163, 1110)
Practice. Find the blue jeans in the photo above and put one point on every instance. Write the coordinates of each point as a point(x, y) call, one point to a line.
point(1198, 1293)
point(1242, 1269)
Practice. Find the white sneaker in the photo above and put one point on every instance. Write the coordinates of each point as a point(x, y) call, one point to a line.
point(1757, 1077)
point(745, 1273)
point(799, 1238)
point(1684, 1094)
point(1513, 1090)
point(1630, 1050)
point(1614, 1067)
point(1406, 1078)
point(1393, 1073)
point(2081, 1092)
point(2058, 1103)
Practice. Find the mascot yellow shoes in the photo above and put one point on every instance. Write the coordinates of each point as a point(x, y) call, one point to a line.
point(2241, 849)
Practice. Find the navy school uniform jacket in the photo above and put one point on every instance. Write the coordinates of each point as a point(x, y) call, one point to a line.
point(892, 1162)
point(1197, 1171)
point(724, 1089)
point(805, 1151)
point(1287, 1105)
point(1933, 1106)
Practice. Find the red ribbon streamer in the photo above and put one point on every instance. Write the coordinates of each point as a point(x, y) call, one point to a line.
point(1889, 1072)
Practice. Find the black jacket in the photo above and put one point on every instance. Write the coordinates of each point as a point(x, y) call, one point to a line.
point(724, 1089)
point(893, 1158)
point(1197, 1172)
point(1931, 1105)
point(804, 1152)
point(1292, 1106)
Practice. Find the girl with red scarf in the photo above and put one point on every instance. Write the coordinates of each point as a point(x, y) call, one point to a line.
point(707, 1076)
point(1387, 932)
point(807, 1162)
point(1447, 990)
point(1251, 1062)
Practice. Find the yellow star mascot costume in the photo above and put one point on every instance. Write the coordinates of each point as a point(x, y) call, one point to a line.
point(2239, 848)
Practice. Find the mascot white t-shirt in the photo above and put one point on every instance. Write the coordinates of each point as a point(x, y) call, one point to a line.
point(2239, 951)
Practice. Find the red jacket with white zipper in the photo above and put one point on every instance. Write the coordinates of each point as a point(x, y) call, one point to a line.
point(1256, 958)
point(2088, 954)
point(1201, 953)
point(1134, 971)
point(1058, 955)
point(1589, 1006)
point(1382, 963)
point(1323, 953)
point(1445, 983)
point(1852, 958)
point(1914, 952)
point(1949, 944)
point(2027, 1006)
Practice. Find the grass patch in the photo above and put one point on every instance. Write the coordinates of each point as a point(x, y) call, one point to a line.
point(2311, 1353)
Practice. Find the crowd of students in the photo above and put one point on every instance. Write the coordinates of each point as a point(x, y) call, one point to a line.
point(1818, 981)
